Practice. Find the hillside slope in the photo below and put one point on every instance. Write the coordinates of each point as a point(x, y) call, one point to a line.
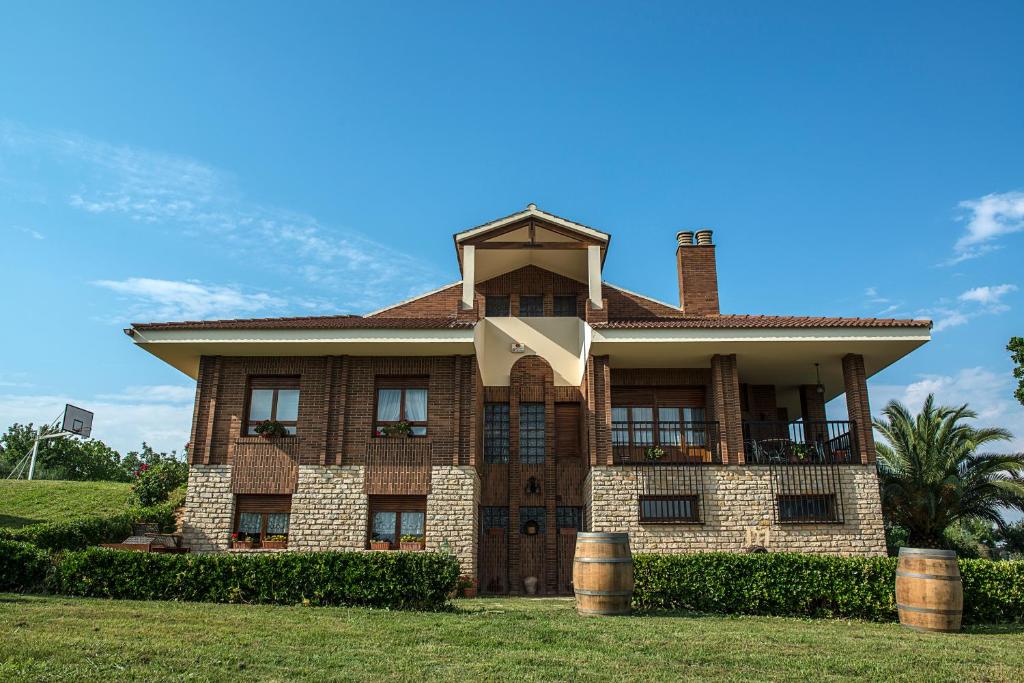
point(30, 502)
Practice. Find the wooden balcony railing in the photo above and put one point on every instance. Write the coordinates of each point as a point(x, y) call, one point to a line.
point(683, 443)
point(265, 466)
point(397, 466)
point(823, 442)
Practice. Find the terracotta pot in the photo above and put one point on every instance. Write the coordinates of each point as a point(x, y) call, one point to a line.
point(246, 545)
point(469, 592)
point(530, 584)
point(380, 545)
point(275, 544)
point(411, 545)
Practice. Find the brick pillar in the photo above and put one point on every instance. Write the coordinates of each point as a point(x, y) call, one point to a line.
point(725, 398)
point(812, 409)
point(855, 381)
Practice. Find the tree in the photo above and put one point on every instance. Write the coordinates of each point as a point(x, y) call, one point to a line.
point(1016, 349)
point(1012, 537)
point(63, 458)
point(932, 477)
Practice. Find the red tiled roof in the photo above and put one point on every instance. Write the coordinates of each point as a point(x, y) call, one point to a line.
point(323, 322)
point(753, 321)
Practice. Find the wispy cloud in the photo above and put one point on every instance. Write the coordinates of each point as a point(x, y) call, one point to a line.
point(988, 393)
point(341, 265)
point(988, 219)
point(122, 422)
point(153, 393)
point(986, 300)
point(176, 300)
point(34, 234)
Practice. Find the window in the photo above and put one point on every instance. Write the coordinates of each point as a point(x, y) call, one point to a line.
point(497, 306)
point(797, 509)
point(664, 426)
point(531, 305)
point(532, 439)
point(496, 432)
point(258, 517)
point(569, 517)
point(401, 400)
point(273, 398)
point(565, 306)
point(493, 518)
point(392, 517)
point(532, 520)
point(669, 509)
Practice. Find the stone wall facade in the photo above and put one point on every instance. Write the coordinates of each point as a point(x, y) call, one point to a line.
point(209, 508)
point(452, 513)
point(329, 509)
point(735, 499)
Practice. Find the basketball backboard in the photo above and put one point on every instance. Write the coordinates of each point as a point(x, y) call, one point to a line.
point(77, 420)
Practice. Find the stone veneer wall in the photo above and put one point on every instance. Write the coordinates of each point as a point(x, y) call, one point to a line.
point(452, 513)
point(329, 509)
point(735, 499)
point(209, 506)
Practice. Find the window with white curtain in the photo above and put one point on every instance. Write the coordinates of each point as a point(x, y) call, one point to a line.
point(397, 403)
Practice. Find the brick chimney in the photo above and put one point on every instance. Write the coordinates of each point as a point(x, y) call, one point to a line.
point(698, 274)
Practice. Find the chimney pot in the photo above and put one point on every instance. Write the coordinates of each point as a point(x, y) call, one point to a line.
point(684, 238)
point(704, 237)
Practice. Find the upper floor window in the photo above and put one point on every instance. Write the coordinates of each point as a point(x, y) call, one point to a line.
point(401, 401)
point(496, 430)
point(661, 426)
point(531, 305)
point(532, 433)
point(273, 398)
point(565, 306)
point(497, 306)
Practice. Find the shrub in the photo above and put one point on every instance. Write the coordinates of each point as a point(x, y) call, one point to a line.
point(392, 580)
point(789, 584)
point(77, 534)
point(155, 483)
point(22, 566)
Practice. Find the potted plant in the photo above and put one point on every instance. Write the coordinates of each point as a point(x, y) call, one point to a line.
point(398, 429)
point(411, 542)
point(467, 586)
point(377, 543)
point(271, 429)
point(654, 453)
point(241, 541)
point(277, 541)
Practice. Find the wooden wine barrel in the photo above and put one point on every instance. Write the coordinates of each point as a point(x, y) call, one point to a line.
point(602, 573)
point(929, 592)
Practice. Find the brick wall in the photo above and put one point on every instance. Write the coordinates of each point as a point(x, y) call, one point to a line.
point(698, 279)
point(735, 499)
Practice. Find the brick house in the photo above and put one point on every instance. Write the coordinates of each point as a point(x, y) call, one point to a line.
point(499, 415)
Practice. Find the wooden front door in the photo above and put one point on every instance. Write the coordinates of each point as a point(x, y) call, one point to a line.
point(570, 521)
point(494, 550)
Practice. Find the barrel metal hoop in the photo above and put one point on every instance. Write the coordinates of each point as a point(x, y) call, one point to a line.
point(605, 560)
point(610, 541)
point(936, 577)
point(602, 612)
point(930, 610)
point(581, 591)
point(929, 552)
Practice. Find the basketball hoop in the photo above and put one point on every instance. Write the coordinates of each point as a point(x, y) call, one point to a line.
point(75, 421)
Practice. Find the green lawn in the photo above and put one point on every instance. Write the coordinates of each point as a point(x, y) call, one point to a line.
point(31, 502)
point(68, 639)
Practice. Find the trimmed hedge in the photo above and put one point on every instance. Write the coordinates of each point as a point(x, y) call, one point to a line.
point(83, 532)
point(22, 566)
point(792, 584)
point(394, 580)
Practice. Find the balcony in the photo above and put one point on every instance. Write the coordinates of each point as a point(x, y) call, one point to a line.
point(672, 443)
point(397, 466)
point(824, 442)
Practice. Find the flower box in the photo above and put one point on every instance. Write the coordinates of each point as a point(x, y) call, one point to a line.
point(380, 545)
point(243, 545)
point(275, 545)
point(411, 545)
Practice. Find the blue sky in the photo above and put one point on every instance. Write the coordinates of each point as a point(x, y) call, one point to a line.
point(174, 161)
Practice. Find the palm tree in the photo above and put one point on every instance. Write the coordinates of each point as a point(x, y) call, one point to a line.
point(931, 475)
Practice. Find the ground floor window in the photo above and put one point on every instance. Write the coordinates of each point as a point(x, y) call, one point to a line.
point(669, 509)
point(262, 518)
point(797, 509)
point(393, 518)
point(532, 520)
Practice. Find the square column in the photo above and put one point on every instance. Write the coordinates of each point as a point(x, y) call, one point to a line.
point(594, 275)
point(725, 399)
point(856, 384)
point(468, 276)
